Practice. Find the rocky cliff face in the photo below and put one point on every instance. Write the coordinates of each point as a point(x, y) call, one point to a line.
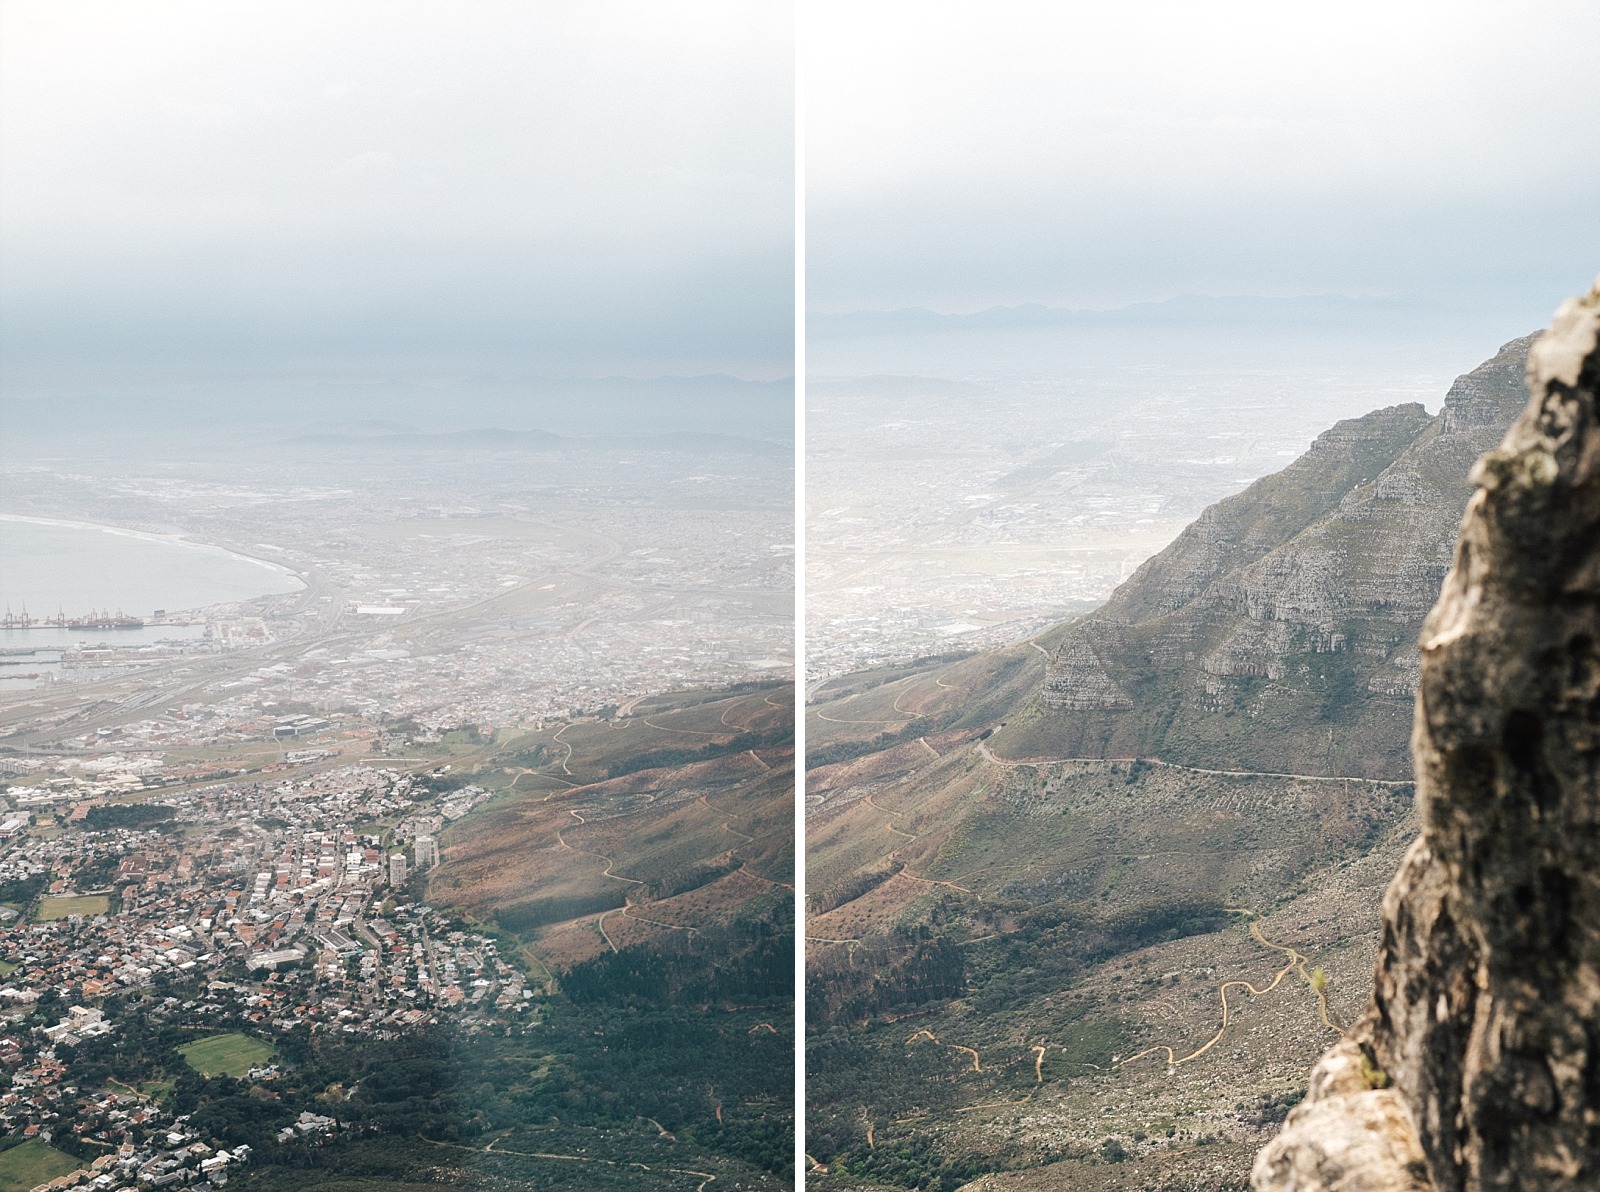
point(1477, 1065)
point(1278, 631)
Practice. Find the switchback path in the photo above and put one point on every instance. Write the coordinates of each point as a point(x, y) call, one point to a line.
point(912, 836)
point(568, 758)
point(933, 1038)
point(732, 853)
point(610, 862)
point(906, 711)
point(1296, 963)
point(836, 720)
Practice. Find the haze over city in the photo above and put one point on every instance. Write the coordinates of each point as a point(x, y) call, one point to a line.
point(398, 636)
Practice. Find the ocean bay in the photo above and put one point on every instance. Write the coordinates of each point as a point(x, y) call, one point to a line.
point(50, 567)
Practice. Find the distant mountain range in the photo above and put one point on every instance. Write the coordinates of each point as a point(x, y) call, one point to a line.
point(1325, 310)
point(363, 438)
point(715, 404)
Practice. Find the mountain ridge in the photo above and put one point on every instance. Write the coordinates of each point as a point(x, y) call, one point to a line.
point(1292, 606)
point(1101, 901)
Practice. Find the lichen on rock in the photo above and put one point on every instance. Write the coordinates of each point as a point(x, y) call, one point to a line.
point(1485, 1017)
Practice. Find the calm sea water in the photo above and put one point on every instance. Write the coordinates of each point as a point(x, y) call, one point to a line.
point(75, 568)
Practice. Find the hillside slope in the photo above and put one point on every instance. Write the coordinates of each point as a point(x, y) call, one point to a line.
point(1010, 920)
point(1278, 631)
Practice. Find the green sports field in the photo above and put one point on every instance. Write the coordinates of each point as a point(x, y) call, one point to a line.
point(74, 904)
point(232, 1054)
point(33, 1163)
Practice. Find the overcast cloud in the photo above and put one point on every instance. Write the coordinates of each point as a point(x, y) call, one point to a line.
point(376, 187)
point(964, 155)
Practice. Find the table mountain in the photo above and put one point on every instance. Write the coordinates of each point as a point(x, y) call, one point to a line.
point(1277, 632)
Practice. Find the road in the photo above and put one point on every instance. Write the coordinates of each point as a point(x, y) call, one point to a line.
point(988, 756)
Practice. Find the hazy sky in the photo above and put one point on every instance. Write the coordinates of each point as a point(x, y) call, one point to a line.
point(585, 188)
point(962, 155)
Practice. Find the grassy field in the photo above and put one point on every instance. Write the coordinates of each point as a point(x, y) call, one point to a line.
point(32, 1163)
point(232, 1054)
point(76, 904)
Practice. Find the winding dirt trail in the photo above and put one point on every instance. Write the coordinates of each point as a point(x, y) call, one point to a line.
point(821, 715)
point(744, 703)
point(524, 772)
point(601, 924)
point(933, 1038)
point(610, 861)
point(917, 877)
point(568, 758)
point(904, 872)
point(726, 825)
point(1296, 963)
point(906, 711)
point(664, 1132)
point(822, 939)
point(733, 853)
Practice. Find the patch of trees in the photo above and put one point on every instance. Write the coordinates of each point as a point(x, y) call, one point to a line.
point(523, 917)
point(746, 961)
point(848, 751)
point(222, 1107)
point(1271, 1108)
point(674, 756)
point(602, 1066)
point(432, 785)
point(832, 897)
point(1056, 942)
point(23, 890)
point(692, 877)
point(911, 1162)
point(911, 967)
point(133, 816)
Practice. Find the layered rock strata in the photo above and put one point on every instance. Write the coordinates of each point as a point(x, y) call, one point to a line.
point(1278, 632)
point(1477, 1064)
